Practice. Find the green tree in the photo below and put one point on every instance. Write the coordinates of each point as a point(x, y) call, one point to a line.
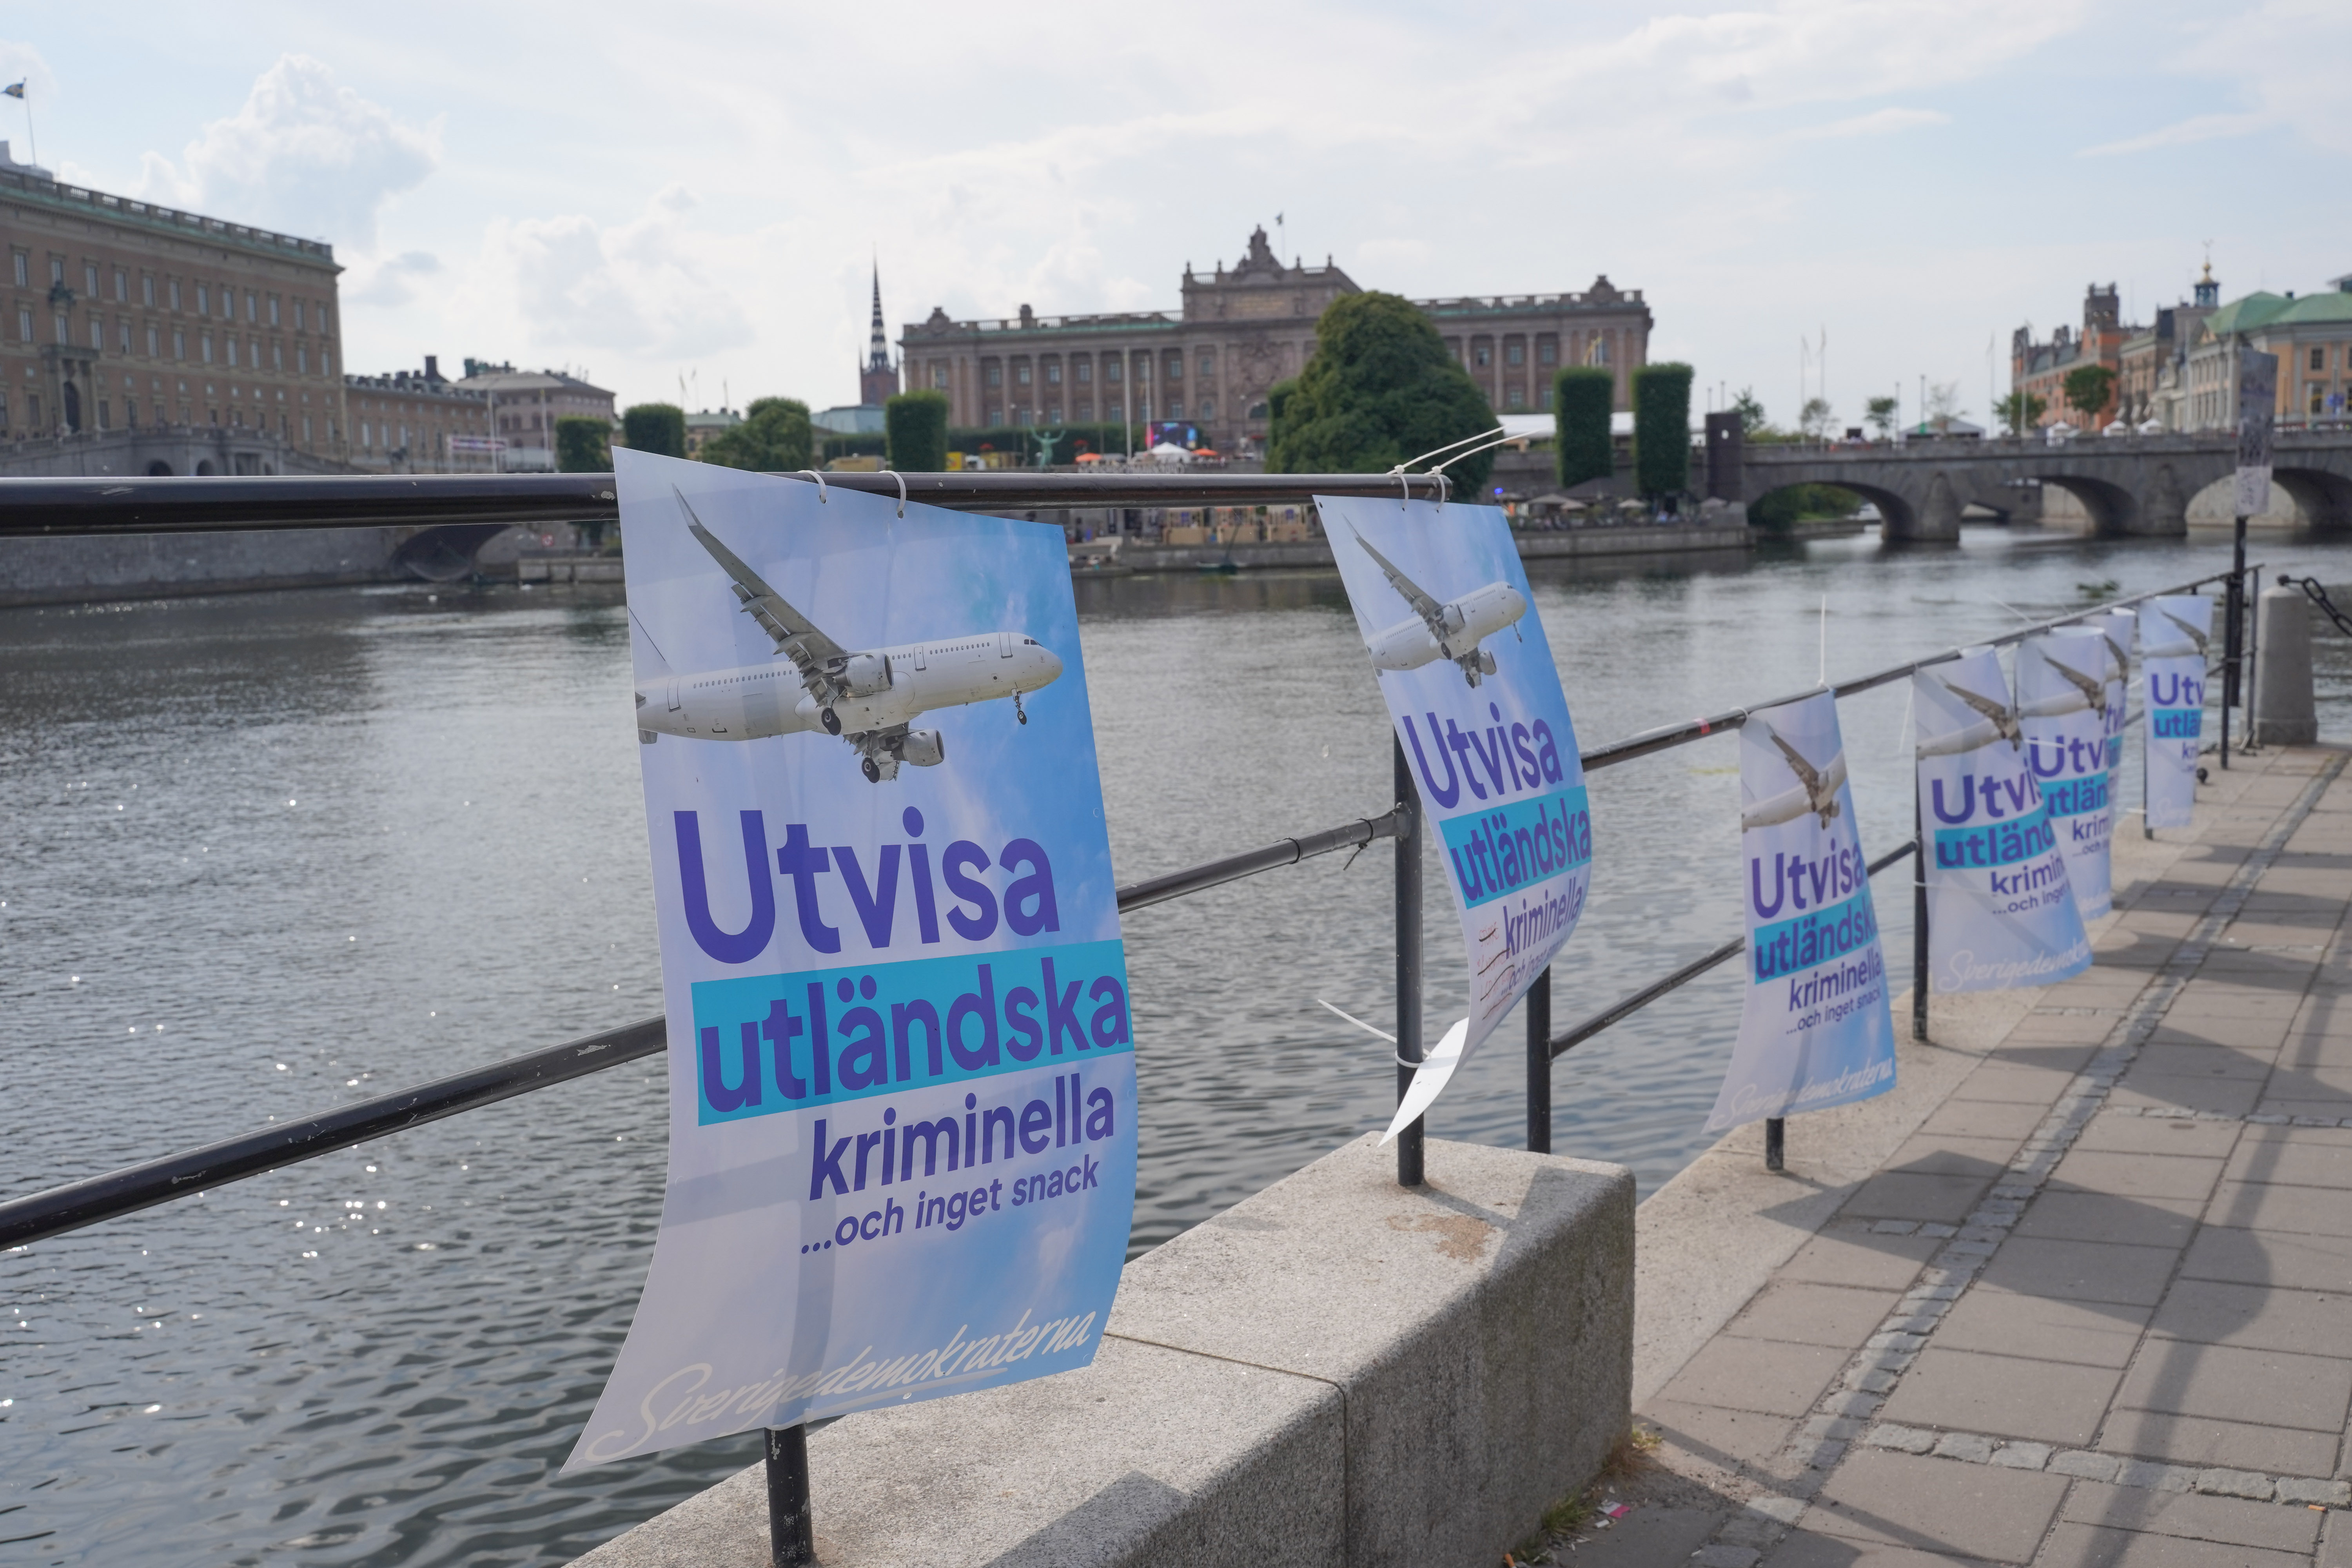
point(775, 438)
point(1582, 398)
point(1790, 505)
point(2021, 411)
point(1880, 412)
point(583, 445)
point(1661, 439)
point(1752, 422)
point(1379, 390)
point(656, 427)
point(917, 424)
point(1816, 417)
point(2087, 389)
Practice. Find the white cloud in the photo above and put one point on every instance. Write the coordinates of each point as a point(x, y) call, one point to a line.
point(303, 154)
point(391, 282)
point(2196, 128)
point(1879, 122)
point(658, 288)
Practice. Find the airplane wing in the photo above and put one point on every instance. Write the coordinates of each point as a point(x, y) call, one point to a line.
point(1991, 709)
point(2094, 692)
point(1427, 608)
point(1961, 742)
point(795, 636)
point(1806, 774)
point(2199, 638)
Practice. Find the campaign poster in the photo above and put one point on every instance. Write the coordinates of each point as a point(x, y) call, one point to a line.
point(2062, 701)
point(2000, 913)
point(1814, 1027)
point(1443, 602)
point(902, 1067)
point(2174, 634)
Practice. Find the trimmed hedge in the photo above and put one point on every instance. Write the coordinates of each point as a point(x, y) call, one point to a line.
point(915, 439)
point(1662, 442)
point(1582, 396)
point(656, 427)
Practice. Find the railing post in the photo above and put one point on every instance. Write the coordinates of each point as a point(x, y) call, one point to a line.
point(1539, 1064)
point(792, 1529)
point(2232, 632)
point(1919, 853)
point(1408, 960)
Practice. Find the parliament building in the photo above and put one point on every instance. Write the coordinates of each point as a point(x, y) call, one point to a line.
point(1209, 365)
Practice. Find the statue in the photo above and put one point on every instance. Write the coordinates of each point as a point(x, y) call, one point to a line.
point(1047, 442)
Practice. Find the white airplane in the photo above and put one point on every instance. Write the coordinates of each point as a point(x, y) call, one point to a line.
point(1816, 790)
point(2095, 693)
point(868, 697)
point(1452, 630)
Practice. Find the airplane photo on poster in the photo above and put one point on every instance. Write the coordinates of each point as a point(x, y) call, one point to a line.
point(1452, 630)
point(867, 697)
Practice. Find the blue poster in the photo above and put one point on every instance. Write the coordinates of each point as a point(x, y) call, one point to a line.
point(1442, 601)
point(1814, 1028)
point(2062, 702)
point(2000, 913)
point(901, 1069)
point(2174, 632)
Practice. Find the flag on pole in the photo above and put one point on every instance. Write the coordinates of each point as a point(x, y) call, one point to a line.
point(14, 90)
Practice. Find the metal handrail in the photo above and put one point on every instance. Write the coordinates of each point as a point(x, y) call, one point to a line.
point(45, 508)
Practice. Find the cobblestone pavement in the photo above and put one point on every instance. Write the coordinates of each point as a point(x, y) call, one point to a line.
point(2098, 1309)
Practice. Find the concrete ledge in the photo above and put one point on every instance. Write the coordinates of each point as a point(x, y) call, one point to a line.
point(1336, 1370)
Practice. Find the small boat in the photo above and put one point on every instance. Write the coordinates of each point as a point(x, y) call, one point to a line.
point(1225, 568)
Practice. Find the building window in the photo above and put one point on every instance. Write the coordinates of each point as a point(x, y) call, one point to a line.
point(1053, 373)
point(273, 309)
point(179, 344)
point(1208, 408)
point(1516, 397)
point(995, 416)
point(122, 292)
point(277, 357)
point(1082, 371)
point(326, 320)
point(1175, 365)
point(131, 412)
point(1021, 373)
point(204, 299)
point(995, 376)
point(1143, 368)
point(302, 359)
point(24, 324)
point(231, 345)
point(939, 377)
point(57, 270)
point(147, 289)
point(1208, 366)
point(175, 293)
point(2318, 391)
point(1175, 409)
point(1515, 352)
point(63, 329)
point(1052, 414)
point(1111, 371)
point(123, 335)
point(24, 270)
point(97, 335)
point(153, 349)
point(89, 279)
point(205, 346)
point(1547, 350)
point(1114, 410)
point(298, 315)
point(326, 363)
point(105, 415)
point(1483, 355)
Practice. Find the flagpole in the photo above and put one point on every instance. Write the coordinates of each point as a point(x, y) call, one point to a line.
point(30, 134)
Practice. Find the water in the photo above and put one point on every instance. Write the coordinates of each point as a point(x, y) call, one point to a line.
point(267, 853)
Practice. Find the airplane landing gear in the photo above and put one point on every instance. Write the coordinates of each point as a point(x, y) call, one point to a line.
point(831, 721)
point(872, 774)
point(1018, 712)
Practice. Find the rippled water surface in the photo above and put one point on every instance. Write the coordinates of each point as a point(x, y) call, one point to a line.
point(267, 853)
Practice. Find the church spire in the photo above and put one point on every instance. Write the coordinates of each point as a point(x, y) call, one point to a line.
point(877, 348)
point(877, 379)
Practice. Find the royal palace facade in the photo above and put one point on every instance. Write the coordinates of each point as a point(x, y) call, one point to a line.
point(1240, 331)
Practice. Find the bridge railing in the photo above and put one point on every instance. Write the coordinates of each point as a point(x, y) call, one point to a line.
point(53, 508)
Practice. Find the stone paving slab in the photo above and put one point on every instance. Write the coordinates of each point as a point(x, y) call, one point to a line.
point(2079, 1290)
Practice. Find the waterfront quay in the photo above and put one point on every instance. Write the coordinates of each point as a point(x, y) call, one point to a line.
point(2079, 1289)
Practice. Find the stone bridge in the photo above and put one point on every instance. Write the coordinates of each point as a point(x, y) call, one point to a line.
point(2132, 486)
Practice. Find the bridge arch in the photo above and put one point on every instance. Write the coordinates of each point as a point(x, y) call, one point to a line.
point(2324, 498)
point(1901, 517)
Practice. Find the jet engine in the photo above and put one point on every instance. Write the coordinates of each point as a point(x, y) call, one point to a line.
point(863, 674)
point(923, 748)
point(1452, 618)
point(1485, 661)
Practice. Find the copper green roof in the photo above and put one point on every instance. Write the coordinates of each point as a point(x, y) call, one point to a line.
point(2244, 315)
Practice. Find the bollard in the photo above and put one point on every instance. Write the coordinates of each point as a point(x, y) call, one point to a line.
point(2284, 712)
point(1776, 1143)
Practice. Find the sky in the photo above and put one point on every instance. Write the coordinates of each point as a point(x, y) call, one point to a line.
point(695, 192)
